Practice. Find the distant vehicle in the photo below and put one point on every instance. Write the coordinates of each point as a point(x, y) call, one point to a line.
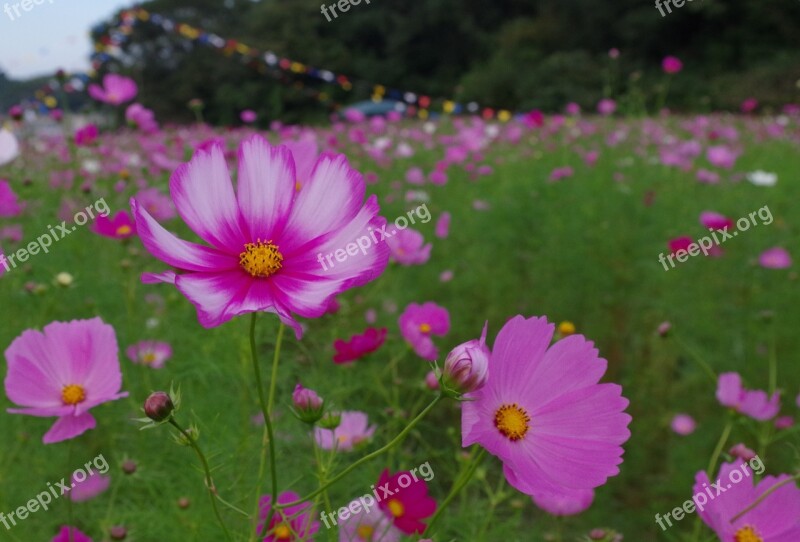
point(371, 109)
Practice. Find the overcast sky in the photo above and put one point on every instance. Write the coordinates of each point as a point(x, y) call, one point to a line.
point(52, 35)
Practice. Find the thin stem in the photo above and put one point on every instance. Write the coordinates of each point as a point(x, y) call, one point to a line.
point(212, 490)
point(773, 365)
point(266, 409)
point(712, 464)
point(700, 361)
point(764, 495)
point(367, 457)
point(457, 487)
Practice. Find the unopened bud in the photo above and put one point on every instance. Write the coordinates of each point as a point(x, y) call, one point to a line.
point(466, 367)
point(158, 406)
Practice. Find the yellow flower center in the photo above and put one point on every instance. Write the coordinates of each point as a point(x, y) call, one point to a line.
point(747, 534)
point(425, 328)
point(73, 394)
point(261, 259)
point(148, 358)
point(512, 421)
point(396, 508)
point(282, 532)
point(566, 328)
point(298, 186)
point(124, 230)
point(364, 532)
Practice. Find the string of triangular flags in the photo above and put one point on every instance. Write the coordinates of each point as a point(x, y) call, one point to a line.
point(421, 105)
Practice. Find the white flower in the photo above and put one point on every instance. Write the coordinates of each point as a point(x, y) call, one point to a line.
point(9, 148)
point(762, 178)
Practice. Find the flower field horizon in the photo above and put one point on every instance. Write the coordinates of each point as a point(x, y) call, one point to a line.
point(504, 310)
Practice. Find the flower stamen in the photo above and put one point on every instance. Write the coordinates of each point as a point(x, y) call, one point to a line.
point(512, 421)
point(261, 259)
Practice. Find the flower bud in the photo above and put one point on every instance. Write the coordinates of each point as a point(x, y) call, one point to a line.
point(118, 532)
point(307, 404)
point(330, 420)
point(466, 367)
point(158, 406)
point(129, 466)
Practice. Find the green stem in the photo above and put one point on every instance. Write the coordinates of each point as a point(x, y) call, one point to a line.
point(457, 487)
point(367, 457)
point(266, 409)
point(700, 361)
point(712, 464)
point(212, 490)
point(764, 495)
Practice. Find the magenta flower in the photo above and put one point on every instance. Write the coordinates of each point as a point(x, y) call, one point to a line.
point(606, 107)
point(407, 505)
point(408, 247)
point(120, 226)
point(268, 238)
point(742, 452)
point(572, 109)
point(295, 525)
point(715, 221)
point(419, 322)
point(151, 353)
point(543, 412)
point(679, 243)
point(353, 430)
point(369, 525)
point(87, 135)
point(775, 519)
point(683, 424)
point(466, 367)
point(722, 156)
point(442, 229)
point(775, 258)
point(749, 105)
point(92, 486)
point(756, 404)
point(564, 503)
point(116, 89)
point(9, 206)
point(248, 116)
point(64, 371)
point(561, 173)
point(359, 345)
point(671, 65)
point(141, 117)
point(70, 534)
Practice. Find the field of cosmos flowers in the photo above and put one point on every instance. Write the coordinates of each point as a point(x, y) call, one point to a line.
point(388, 329)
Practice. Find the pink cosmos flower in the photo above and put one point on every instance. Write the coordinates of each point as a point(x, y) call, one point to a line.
point(613, 53)
point(749, 105)
point(606, 107)
point(157, 204)
point(419, 322)
point(573, 109)
point(248, 116)
point(784, 422)
point(775, 519)
point(9, 148)
point(722, 156)
point(266, 238)
point(64, 371)
point(707, 177)
point(415, 175)
point(92, 486)
point(742, 452)
point(359, 345)
point(151, 353)
point(9, 206)
point(70, 534)
point(116, 89)
point(543, 412)
point(683, 424)
point(561, 173)
point(671, 65)
point(120, 226)
point(141, 117)
point(565, 502)
point(353, 430)
point(775, 258)
point(369, 525)
point(756, 404)
point(87, 135)
point(679, 243)
point(408, 247)
point(298, 524)
point(715, 221)
point(407, 505)
point(442, 229)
